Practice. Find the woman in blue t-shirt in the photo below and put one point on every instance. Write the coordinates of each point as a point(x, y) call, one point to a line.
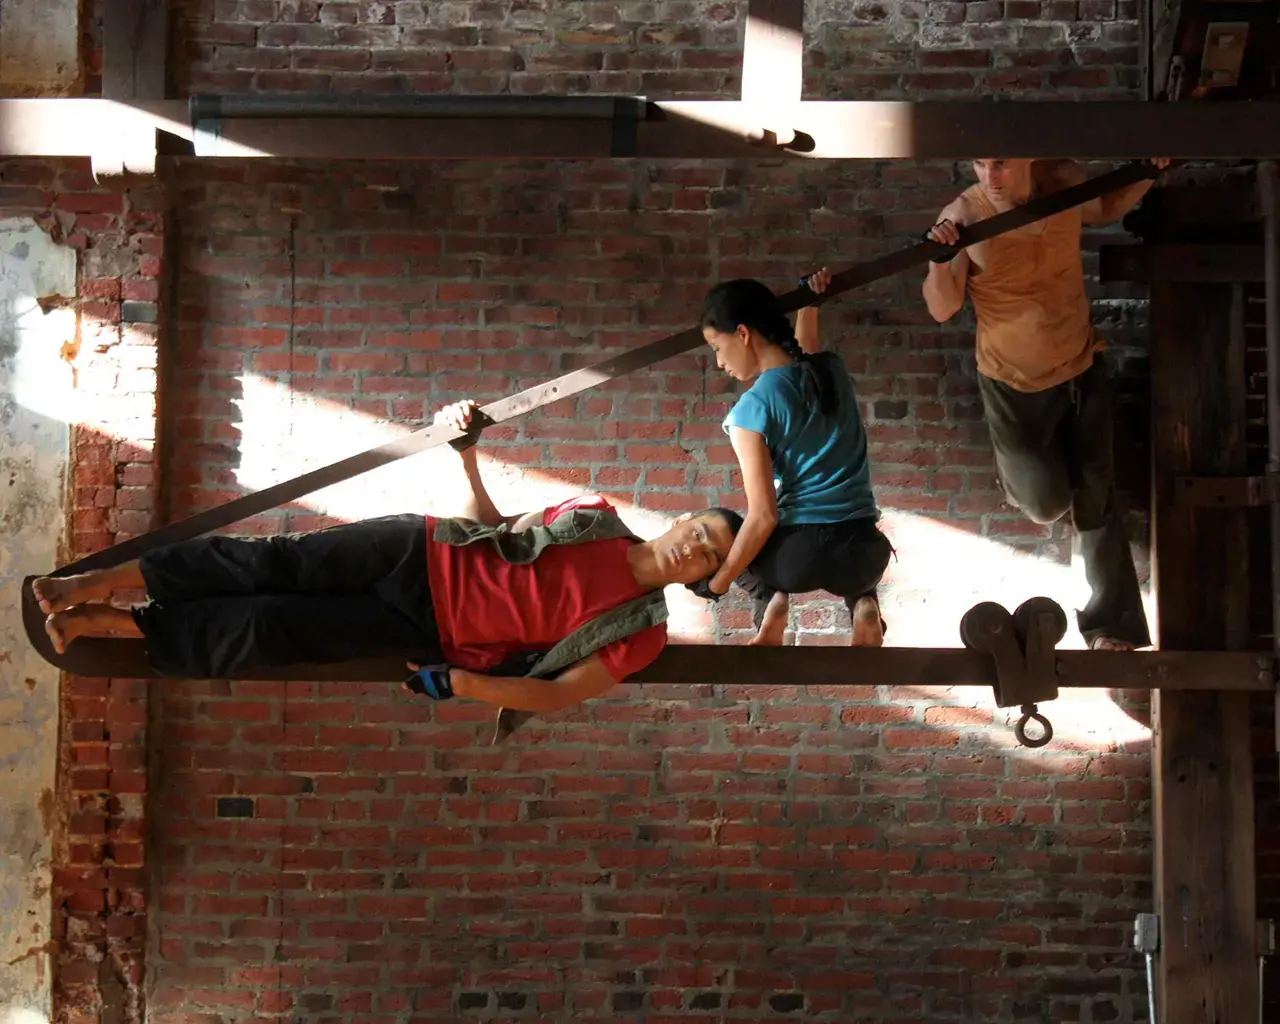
point(799, 437)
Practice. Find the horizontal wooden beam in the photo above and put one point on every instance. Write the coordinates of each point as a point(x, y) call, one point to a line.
point(714, 129)
point(945, 666)
point(855, 130)
point(1223, 264)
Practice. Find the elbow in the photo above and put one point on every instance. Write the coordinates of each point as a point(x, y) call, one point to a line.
point(764, 520)
point(941, 313)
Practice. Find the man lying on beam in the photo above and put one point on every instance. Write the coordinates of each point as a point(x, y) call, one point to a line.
point(532, 612)
point(1046, 390)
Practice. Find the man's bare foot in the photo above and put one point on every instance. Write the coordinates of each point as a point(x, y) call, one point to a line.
point(58, 593)
point(55, 593)
point(1108, 643)
point(90, 620)
point(868, 627)
point(65, 626)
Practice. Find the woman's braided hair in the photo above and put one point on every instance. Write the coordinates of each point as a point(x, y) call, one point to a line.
point(751, 303)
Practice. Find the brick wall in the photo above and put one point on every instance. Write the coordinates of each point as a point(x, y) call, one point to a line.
point(663, 855)
point(342, 853)
point(856, 49)
point(99, 919)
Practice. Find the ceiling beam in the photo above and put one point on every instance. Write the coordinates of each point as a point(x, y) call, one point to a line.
point(694, 130)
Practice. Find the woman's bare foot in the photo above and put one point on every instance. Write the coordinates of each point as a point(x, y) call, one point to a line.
point(773, 624)
point(868, 627)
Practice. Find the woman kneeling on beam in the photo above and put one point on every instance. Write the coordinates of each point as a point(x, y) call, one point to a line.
point(799, 437)
point(532, 612)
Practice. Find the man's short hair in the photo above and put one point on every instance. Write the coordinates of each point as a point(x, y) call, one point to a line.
point(734, 521)
point(731, 518)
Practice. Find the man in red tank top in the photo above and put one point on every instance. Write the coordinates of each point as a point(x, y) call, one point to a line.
point(1046, 393)
point(389, 587)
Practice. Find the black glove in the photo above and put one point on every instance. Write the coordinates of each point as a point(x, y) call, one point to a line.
point(431, 681)
point(468, 440)
point(804, 283)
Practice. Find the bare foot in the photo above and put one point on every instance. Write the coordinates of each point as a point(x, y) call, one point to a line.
point(868, 628)
point(773, 624)
point(65, 626)
point(769, 635)
point(1108, 643)
point(54, 593)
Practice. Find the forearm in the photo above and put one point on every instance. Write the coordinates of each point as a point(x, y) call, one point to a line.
point(519, 693)
point(942, 293)
point(807, 329)
point(475, 502)
point(1116, 204)
point(756, 530)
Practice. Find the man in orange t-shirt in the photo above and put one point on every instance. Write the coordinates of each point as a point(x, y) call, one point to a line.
point(1046, 392)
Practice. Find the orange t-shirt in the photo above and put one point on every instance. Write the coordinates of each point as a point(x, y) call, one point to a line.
point(1034, 327)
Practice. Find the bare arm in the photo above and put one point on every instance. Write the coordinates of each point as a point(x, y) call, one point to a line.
point(946, 283)
point(581, 681)
point(762, 506)
point(1114, 205)
point(474, 502)
point(807, 318)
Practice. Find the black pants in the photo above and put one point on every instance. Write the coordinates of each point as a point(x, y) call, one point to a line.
point(1054, 455)
point(223, 605)
point(846, 559)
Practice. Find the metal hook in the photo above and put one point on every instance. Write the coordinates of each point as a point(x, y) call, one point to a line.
point(1030, 713)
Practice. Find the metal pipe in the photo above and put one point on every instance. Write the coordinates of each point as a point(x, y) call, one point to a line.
point(210, 107)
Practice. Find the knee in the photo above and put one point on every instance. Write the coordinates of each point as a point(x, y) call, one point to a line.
point(1043, 497)
point(1046, 507)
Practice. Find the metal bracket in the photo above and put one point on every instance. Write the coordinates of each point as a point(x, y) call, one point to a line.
point(1226, 491)
point(1022, 645)
point(1146, 940)
point(1266, 948)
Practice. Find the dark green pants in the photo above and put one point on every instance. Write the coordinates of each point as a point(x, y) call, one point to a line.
point(1053, 454)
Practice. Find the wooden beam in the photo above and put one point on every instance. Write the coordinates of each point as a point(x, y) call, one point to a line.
point(773, 54)
point(709, 130)
point(135, 43)
point(864, 130)
point(1192, 263)
point(1202, 763)
point(942, 666)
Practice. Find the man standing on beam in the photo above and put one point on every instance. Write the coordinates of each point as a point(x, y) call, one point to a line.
point(1046, 392)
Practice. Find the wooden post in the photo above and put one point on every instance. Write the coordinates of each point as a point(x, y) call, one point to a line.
point(773, 52)
point(135, 42)
point(773, 66)
point(1202, 764)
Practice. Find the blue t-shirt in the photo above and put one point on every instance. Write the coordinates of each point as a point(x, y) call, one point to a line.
point(820, 467)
